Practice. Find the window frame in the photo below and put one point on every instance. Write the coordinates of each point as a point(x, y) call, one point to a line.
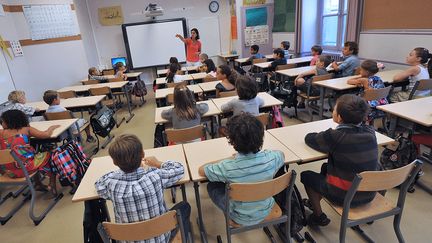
point(340, 14)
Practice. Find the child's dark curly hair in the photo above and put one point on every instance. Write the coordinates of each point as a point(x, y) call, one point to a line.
point(15, 119)
point(245, 133)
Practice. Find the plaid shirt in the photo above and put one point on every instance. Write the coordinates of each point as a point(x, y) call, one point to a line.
point(138, 196)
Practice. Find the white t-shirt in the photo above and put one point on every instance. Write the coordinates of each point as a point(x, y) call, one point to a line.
point(423, 74)
point(178, 78)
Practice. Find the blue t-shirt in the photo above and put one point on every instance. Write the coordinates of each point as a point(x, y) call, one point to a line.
point(349, 65)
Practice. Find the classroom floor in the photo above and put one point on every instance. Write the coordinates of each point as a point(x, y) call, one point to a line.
point(64, 222)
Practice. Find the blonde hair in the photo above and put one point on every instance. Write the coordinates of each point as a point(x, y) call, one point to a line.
point(126, 152)
point(16, 96)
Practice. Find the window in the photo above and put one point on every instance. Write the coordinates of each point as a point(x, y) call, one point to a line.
point(333, 23)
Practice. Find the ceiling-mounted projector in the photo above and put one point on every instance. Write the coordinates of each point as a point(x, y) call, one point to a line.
point(152, 10)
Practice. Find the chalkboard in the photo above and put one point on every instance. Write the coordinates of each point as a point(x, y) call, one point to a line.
point(284, 15)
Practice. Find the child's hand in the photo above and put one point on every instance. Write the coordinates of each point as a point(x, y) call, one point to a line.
point(152, 162)
point(52, 128)
point(334, 65)
point(178, 35)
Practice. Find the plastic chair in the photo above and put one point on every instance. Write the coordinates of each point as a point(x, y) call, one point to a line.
point(226, 94)
point(90, 82)
point(62, 115)
point(67, 94)
point(108, 72)
point(264, 119)
point(377, 94)
point(421, 85)
point(172, 85)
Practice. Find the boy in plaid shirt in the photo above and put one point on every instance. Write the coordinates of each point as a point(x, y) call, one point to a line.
point(136, 190)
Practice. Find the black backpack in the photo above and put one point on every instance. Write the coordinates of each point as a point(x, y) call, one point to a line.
point(159, 136)
point(399, 154)
point(103, 121)
point(139, 89)
point(261, 80)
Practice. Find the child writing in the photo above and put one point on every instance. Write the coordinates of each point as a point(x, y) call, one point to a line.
point(174, 74)
point(94, 74)
point(251, 164)
point(120, 70)
point(15, 135)
point(417, 59)
point(186, 112)
point(350, 61)
point(17, 99)
point(228, 77)
point(368, 80)
point(352, 148)
point(316, 51)
point(52, 98)
point(285, 45)
point(136, 189)
point(247, 101)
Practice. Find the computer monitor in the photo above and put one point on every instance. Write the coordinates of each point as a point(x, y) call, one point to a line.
point(115, 60)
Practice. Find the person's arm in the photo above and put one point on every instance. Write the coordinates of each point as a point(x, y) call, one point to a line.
point(167, 114)
point(260, 101)
point(33, 132)
point(202, 108)
point(214, 170)
point(170, 171)
point(228, 106)
point(322, 141)
point(199, 48)
point(28, 110)
point(101, 186)
point(181, 38)
point(363, 82)
point(335, 66)
point(412, 71)
point(307, 73)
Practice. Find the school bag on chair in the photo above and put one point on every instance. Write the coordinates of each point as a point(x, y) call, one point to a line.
point(103, 121)
point(287, 92)
point(139, 89)
point(261, 80)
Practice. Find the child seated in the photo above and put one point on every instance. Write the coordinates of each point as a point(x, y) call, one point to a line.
point(186, 112)
point(316, 51)
point(174, 74)
point(285, 45)
point(228, 77)
point(278, 55)
point(247, 101)
point(250, 164)
point(120, 70)
point(136, 189)
point(350, 62)
point(304, 80)
point(94, 74)
point(368, 80)
point(203, 57)
point(52, 98)
point(254, 51)
point(17, 101)
point(351, 147)
point(208, 67)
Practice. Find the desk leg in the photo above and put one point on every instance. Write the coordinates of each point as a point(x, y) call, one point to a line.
point(321, 108)
point(129, 101)
point(212, 124)
point(200, 221)
point(393, 124)
point(183, 189)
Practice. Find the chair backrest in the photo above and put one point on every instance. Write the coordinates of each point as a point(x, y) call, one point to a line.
point(209, 78)
point(286, 66)
point(376, 94)
point(142, 230)
point(259, 60)
point(172, 85)
point(384, 180)
point(261, 190)
point(90, 81)
point(169, 99)
point(100, 91)
point(111, 80)
point(6, 156)
point(227, 94)
point(185, 135)
point(108, 72)
point(421, 85)
point(67, 94)
point(58, 115)
point(263, 118)
point(317, 78)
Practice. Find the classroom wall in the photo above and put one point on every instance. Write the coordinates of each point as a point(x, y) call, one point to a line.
point(309, 26)
point(278, 37)
point(44, 66)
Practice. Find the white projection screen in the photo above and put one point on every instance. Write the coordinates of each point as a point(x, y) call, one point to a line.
point(150, 44)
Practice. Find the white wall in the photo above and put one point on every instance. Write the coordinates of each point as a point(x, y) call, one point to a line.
point(278, 37)
point(309, 25)
point(44, 66)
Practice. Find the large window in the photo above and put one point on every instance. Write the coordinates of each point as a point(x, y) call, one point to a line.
point(333, 23)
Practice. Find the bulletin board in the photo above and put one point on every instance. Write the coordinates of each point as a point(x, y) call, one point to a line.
point(284, 16)
point(397, 14)
point(256, 26)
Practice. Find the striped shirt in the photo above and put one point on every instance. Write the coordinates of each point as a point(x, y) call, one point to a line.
point(248, 168)
point(138, 196)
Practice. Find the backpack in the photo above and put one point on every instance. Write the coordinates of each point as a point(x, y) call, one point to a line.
point(159, 140)
point(399, 154)
point(288, 93)
point(70, 163)
point(103, 121)
point(277, 120)
point(95, 212)
point(139, 89)
point(261, 80)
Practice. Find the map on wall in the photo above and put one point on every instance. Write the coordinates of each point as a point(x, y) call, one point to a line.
point(110, 16)
point(50, 21)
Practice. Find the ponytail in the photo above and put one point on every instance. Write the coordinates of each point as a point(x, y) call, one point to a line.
point(174, 67)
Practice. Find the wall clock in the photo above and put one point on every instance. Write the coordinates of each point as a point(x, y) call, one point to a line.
point(214, 6)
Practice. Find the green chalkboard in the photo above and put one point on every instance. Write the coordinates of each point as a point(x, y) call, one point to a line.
point(284, 15)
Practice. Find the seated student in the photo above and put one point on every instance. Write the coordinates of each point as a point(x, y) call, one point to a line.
point(368, 80)
point(285, 45)
point(94, 74)
point(174, 60)
point(352, 148)
point(278, 55)
point(254, 51)
point(203, 57)
point(417, 59)
point(304, 80)
point(247, 100)
point(316, 51)
point(174, 74)
point(120, 70)
point(228, 77)
point(251, 164)
point(186, 112)
point(15, 135)
point(209, 67)
point(136, 189)
point(51, 97)
point(17, 100)
point(350, 61)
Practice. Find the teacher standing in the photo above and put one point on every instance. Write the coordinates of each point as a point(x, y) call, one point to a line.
point(193, 47)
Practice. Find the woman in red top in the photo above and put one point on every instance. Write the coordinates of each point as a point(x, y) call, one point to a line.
point(193, 48)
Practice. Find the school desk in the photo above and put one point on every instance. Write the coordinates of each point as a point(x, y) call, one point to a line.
point(102, 165)
point(269, 100)
point(163, 72)
point(163, 80)
point(200, 153)
point(294, 72)
point(213, 111)
point(301, 60)
point(209, 86)
point(244, 61)
point(87, 103)
point(229, 58)
point(162, 93)
point(293, 138)
point(199, 76)
point(130, 76)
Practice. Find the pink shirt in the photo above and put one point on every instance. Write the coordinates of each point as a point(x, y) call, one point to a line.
point(314, 59)
point(192, 49)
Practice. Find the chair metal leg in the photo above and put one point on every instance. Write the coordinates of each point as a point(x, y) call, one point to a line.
point(5, 219)
point(173, 194)
point(396, 226)
point(269, 234)
point(39, 218)
point(342, 232)
point(361, 233)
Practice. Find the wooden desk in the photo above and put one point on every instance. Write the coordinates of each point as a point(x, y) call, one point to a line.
point(294, 72)
point(85, 88)
point(268, 100)
point(293, 138)
point(299, 60)
point(131, 75)
point(187, 77)
point(243, 61)
point(228, 57)
point(387, 76)
point(418, 110)
point(162, 93)
point(198, 76)
point(163, 72)
point(72, 103)
point(102, 165)
point(209, 86)
point(213, 110)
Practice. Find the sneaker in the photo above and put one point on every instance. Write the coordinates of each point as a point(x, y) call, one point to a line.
point(90, 139)
point(322, 220)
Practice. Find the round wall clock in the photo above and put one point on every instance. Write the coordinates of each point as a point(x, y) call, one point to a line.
point(214, 6)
